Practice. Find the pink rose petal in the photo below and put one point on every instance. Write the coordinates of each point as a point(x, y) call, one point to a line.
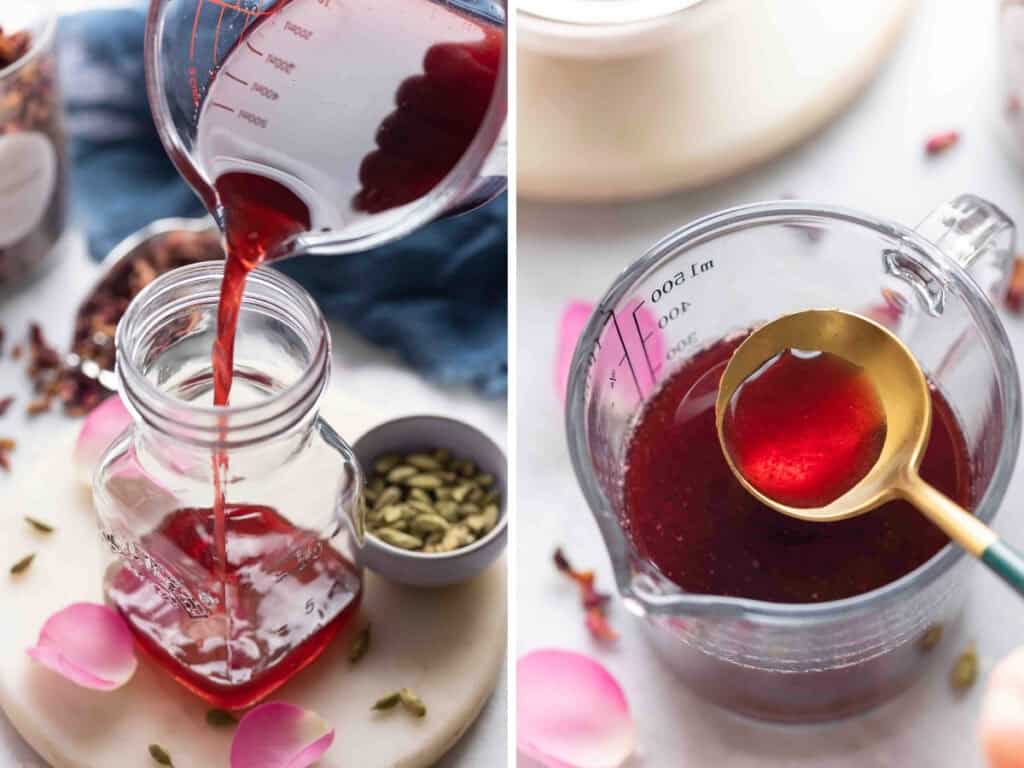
point(101, 427)
point(571, 712)
point(280, 735)
point(88, 644)
point(574, 320)
point(1002, 715)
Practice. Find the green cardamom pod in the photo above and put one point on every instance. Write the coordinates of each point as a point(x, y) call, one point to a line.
point(424, 481)
point(429, 523)
point(424, 462)
point(965, 670)
point(39, 525)
point(160, 755)
point(386, 463)
point(387, 702)
point(22, 565)
point(360, 645)
point(401, 473)
point(220, 718)
point(398, 538)
point(412, 702)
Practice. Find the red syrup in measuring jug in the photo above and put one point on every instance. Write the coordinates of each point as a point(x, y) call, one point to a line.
point(688, 514)
point(384, 161)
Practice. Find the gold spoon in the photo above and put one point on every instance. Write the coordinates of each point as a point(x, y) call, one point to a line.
point(903, 391)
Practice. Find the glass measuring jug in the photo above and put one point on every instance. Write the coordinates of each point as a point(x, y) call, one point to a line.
point(378, 117)
point(723, 275)
point(230, 625)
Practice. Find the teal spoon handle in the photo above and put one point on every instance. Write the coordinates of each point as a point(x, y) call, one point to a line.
point(1006, 562)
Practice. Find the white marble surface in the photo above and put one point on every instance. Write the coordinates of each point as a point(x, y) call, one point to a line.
point(870, 158)
point(377, 378)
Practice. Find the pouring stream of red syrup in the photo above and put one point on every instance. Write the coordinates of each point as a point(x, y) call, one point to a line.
point(437, 114)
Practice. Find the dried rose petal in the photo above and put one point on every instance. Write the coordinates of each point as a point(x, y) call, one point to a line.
point(100, 428)
point(598, 625)
point(280, 735)
point(940, 142)
point(1002, 716)
point(594, 602)
point(1014, 299)
point(571, 712)
point(88, 644)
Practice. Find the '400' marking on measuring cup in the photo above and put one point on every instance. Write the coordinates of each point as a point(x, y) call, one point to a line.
point(670, 308)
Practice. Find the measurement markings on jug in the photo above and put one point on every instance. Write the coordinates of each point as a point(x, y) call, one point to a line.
point(265, 91)
point(303, 33)
point(251, 117)
point(681, 346)
point(679, 278)
point(625, 355)
point(235, 78)
point(148, 569)
point(280, 64)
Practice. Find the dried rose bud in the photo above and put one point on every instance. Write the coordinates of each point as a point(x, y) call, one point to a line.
point(1014, 298)
point(940, 142)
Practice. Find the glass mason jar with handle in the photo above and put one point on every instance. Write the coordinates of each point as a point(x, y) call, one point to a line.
point(232, 597)
point(723, 275)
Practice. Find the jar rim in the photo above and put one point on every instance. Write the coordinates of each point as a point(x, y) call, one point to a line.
point(231, 425)
point(767, 612)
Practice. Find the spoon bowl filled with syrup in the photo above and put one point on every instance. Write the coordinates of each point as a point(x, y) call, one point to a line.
point(825, 415)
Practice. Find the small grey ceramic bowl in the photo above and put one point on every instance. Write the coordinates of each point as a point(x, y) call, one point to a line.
point(426, 433)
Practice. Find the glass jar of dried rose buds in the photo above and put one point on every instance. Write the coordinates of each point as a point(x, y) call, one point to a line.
point(33, 161)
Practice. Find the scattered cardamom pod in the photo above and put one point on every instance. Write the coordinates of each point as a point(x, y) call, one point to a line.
point(965, 670)
point(430, 501)
point(160, 755)
point(39, 525)
point(220, 718)
point(360, 645)
point(388, 702)
point(412, 702)
point(22, 565)
point(931, 638)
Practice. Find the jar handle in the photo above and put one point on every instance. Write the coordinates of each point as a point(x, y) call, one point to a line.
point(978, 236)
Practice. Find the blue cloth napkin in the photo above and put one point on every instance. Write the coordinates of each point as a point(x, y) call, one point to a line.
point(438, 297)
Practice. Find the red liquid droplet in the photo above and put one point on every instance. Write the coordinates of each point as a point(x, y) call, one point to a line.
point(805, 428)
point(687, 513)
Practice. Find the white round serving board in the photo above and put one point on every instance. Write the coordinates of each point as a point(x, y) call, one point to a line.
point(446, 644)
